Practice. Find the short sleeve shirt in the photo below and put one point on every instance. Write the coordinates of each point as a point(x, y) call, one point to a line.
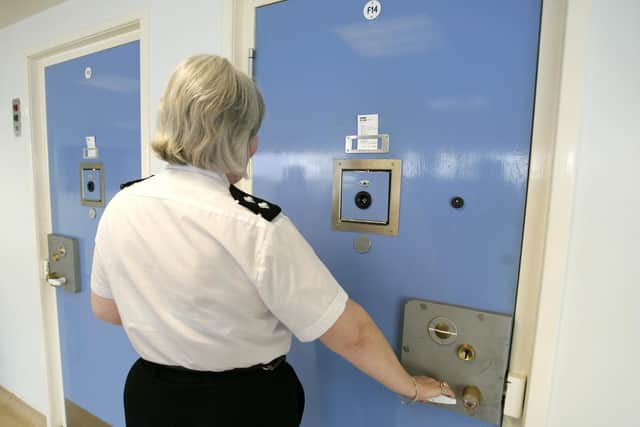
point(201, 281)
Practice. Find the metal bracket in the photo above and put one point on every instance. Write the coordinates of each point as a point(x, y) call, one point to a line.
point(383, 147)
point(468, 348)
point(97, 168)
point(251, 58)
point(392, 165)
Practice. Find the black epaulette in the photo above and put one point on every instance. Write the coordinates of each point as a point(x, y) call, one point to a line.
point(130, 183)
point(258, 206)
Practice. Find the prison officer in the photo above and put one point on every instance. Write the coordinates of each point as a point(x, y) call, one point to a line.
point(210, 283)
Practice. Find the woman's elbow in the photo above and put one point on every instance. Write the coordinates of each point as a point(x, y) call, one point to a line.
point(350, 332)
point(105, 309)
point(114, 319)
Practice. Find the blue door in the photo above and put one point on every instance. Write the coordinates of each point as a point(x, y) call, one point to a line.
point(97, 96)
point(453, 85)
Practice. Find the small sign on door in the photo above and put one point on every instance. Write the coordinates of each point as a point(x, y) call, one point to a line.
point(372, 10)
point(367, 125)
point(91, 150)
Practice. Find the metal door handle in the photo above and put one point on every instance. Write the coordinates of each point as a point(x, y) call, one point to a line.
point(56, 280)
point(471, 397)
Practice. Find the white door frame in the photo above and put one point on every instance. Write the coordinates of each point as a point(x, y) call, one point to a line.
point(559, 174)
point(114, 34)
point(557, 115)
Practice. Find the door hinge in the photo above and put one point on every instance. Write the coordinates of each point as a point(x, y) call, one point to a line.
point(45, 269)
point(514, 395)
point(252, 58)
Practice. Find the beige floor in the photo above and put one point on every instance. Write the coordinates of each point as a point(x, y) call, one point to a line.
point(14, 413)
point(11, 418)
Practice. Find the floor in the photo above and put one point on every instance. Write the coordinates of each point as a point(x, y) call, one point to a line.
point(11, 418)
point(14, 413)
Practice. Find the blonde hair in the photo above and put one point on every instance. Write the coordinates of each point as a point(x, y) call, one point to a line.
point(208, 115)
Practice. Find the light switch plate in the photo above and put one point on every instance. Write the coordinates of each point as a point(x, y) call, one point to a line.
point(16, 116)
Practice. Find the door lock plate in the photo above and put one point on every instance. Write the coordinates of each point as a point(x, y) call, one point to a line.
point(467, 348)
point(64, 263)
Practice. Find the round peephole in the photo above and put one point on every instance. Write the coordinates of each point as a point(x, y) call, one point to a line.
point(363, 199)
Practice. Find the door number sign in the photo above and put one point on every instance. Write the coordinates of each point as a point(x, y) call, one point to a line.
point(372, 9)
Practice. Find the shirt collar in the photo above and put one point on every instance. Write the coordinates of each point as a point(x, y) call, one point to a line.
point(222, 178)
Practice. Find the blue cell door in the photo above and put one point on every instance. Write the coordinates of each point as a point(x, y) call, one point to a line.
point(96, 96)
point(453, 85)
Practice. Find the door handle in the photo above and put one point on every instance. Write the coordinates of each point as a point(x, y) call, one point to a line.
point(55, 280)
point(471, 397)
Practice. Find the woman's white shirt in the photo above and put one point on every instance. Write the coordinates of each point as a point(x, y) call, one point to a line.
point(201, 281)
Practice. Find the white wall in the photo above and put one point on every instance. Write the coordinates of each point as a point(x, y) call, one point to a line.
point(596, 371)
point(176, 30)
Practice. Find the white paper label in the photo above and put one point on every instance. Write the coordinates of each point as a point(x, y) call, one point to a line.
point(91, 151)
point(367, 125)
point(372, 9)
point(367, 144)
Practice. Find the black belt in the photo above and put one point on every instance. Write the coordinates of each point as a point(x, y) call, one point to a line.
point(271, 366)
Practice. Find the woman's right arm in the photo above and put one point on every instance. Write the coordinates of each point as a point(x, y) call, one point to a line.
point(303, 294)
point(356, 337)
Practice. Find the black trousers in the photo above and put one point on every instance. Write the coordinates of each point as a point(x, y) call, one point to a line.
point(161, 396)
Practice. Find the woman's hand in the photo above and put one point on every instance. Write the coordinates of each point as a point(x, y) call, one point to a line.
point(356, 337)
point(429, 387)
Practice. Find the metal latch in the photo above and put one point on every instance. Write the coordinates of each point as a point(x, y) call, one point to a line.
point(514, 395)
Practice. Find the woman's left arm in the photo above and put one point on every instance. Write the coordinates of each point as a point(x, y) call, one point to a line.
point(105, 309)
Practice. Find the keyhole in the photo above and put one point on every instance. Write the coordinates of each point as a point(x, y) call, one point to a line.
point(466, 352)
point(59, 253)
point(91, 186)
point(470, 404)
point(471, 397)
point(442, 331)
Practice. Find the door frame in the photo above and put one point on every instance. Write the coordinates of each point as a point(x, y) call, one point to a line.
point(549, 202)
point(238, 36)
point(132, 28)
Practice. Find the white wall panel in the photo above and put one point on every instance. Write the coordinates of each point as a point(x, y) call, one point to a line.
point(595, 375)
